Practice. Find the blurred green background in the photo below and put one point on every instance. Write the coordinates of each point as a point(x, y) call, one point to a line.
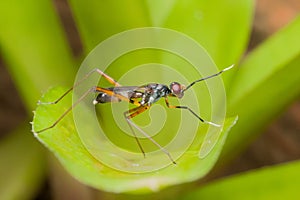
point(43, 42)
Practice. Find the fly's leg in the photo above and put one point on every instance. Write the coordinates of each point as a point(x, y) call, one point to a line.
point(189, 109)
point(93, 89)
point(127, 116)
point(134, 112)
point(96, 70)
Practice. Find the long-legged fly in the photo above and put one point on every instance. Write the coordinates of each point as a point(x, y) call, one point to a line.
point(140, 96)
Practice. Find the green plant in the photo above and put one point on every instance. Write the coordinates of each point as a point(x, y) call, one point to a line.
point(33, 45)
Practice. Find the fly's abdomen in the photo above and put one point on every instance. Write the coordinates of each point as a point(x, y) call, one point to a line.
point(104, 98)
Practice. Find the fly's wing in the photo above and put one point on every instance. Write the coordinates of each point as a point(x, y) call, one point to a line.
point(129, 91)
point(130, 94)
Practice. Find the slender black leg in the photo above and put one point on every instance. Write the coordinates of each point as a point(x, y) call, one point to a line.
point(187, 108)
point(127, 117)
point(134, 112)
point(93, 89)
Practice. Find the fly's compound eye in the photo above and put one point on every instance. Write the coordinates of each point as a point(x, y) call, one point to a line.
point(177, 89)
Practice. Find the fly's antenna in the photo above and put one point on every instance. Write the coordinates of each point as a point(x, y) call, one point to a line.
point(208, 77)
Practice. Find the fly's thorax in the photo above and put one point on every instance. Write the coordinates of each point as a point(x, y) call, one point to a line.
point(154, 92)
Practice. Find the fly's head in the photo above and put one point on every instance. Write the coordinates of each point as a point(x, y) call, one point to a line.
point(177, 90)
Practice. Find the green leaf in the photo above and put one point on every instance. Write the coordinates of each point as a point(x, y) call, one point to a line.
point(34, 47)
point(276, 182)
point(266, 82)
point(22, 168)
point(266, 60)
point(98, 20)
point(37, 55)
point(222, 27)
point(64, 141)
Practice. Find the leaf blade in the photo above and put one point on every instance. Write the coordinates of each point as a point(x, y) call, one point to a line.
point(67, 146)
point(34, 47)
point(276, 182)
point(22, 172)
point(261, 104)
